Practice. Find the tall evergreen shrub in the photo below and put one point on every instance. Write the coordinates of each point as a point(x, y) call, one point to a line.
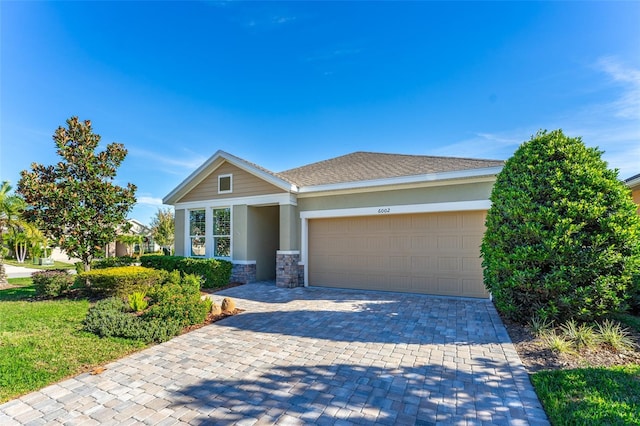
point(562, 235)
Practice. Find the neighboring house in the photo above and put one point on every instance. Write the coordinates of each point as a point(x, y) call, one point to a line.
point(634, 184)
point(118, 248)
point(364, 220)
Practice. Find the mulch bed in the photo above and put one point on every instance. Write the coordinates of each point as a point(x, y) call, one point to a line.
point(536, 357)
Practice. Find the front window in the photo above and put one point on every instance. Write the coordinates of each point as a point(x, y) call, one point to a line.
point(222, 232)
point(197, 232)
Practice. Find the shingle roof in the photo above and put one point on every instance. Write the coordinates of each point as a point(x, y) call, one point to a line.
point(363, 166)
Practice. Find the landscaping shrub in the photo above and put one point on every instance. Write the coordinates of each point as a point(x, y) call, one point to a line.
point(108, 318)
point(562, 233)
point(634, 300)
point(121, 281)
point(137, 301)
point(178, 299)
point(113, 262)
point(52, 283)
point(214, 272)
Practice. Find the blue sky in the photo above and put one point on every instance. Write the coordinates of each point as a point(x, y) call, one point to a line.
point(284, 84)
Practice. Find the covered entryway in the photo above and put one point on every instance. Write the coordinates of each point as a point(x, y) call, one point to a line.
point(431, 253)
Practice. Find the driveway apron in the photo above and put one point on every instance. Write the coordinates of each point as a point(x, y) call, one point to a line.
point(309, 356)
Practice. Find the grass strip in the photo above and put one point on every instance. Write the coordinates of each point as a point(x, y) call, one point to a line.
point(42, 342)
point(589, 396)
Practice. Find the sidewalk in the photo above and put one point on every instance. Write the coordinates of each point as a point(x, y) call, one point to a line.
point(18, 271)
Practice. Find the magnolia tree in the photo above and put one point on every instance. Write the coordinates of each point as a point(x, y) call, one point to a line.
point(75, 202)
point(563, 237)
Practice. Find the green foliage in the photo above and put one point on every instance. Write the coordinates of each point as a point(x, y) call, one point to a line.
point(558, 342)
point(214, 272)
point(52, 283)
point(208, 304)
point(178, 300)
point(611, 333)
point(163, 228)
point(590, 396)
point(562, 237)
point(108, 318)
point(41, 343)
point(634, 299)
point(137, 301)
point(111, 262)
point(120, 281)
point(582, 335)
point(540, 326)
point(75, 201)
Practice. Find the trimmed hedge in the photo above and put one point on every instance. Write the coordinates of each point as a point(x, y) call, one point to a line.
point(108, 318)
point(178, 299)
point(113, 262)
point(121, 281)
point(174, 304)
point(213, 272)
point(52, 283)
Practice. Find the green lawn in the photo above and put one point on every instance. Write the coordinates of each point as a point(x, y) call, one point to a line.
point(42, 342)
point(29, 264)
point(590, 396)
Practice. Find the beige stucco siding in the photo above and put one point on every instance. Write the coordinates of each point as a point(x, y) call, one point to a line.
point(432, 253)
point(439, 194)
point(243, 185)
point(425, 195)
point(263, 230)
point(179, 232)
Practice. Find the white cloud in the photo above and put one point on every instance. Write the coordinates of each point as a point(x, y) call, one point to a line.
point(149, 201)
point(191, 162)
point(628, 105)
point(612, 125)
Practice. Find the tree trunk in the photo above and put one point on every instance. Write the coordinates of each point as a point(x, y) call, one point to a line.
point(3, 273)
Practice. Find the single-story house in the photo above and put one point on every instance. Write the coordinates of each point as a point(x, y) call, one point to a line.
point(408, 223)
point(634, 184)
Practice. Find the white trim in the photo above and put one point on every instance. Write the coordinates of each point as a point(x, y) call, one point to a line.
point(243, 262)
point(287, 251)
point(212, 164)
point(458, 174)
point(255, 200)
point(400, 209)
point(305, 216)
point(230, 190)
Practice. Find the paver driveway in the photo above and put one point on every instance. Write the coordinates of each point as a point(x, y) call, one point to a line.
point(309, 356)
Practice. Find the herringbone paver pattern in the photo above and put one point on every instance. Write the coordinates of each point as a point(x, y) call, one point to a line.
point(309, 356)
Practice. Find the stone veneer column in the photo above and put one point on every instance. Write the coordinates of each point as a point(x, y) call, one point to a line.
point(243, 272)
point(287, 270)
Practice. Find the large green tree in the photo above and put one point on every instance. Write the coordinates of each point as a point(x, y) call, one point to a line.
point(562, 235)
point(163, 228)
point(76, 202)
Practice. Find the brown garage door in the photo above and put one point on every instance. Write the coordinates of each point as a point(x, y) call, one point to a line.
point(433, 253)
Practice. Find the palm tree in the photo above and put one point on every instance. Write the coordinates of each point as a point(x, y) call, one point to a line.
point(11, 206)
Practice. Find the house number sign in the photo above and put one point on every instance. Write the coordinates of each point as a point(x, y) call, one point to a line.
point(384, 210)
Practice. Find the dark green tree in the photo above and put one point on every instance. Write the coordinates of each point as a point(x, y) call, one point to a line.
point(75, 202)
point(562, 234)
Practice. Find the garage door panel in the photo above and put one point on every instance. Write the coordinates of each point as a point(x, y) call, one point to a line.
point(434, 253)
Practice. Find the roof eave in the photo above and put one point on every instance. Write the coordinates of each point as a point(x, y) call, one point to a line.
point(633, 181)
point(211, 164)
point(430, 177)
